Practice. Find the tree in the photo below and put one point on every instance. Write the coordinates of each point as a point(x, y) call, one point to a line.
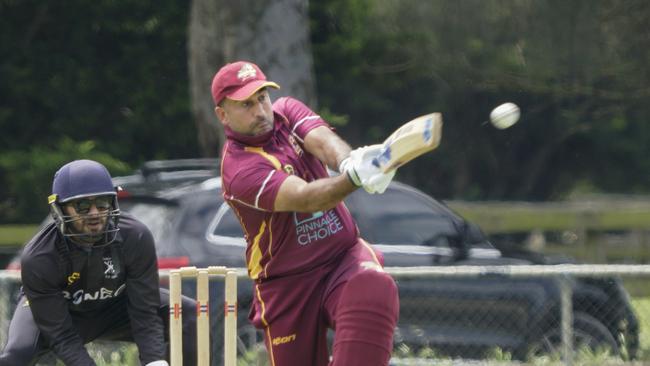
point(274, 35)
point(573, 67)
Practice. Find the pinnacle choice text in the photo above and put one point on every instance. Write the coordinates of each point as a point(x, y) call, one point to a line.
point(320, 228)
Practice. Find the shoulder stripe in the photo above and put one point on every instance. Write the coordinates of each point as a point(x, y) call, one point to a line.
point(259, 193)
point(308, 118)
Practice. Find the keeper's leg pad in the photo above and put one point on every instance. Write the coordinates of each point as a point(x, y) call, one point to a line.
point(365, 320)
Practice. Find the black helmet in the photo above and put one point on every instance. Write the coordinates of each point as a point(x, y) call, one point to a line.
point(79, 179)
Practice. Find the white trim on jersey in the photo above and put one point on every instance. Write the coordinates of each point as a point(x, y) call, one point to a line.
point(302, 121)
point(233, 199)
point(259, 193)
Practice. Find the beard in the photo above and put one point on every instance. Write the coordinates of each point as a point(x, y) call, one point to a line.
point(86, 236)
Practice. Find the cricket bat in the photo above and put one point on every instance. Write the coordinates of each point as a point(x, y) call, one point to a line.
point(413, 139)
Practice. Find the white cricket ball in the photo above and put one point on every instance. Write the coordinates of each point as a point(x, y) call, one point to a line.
point(505, 115)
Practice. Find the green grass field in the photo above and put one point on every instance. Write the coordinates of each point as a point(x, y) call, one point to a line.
point(504, 217)
point(499, 217)
point(642, 309)
point(15, 235)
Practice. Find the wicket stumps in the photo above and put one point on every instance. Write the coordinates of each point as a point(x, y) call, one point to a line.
point(202, 276)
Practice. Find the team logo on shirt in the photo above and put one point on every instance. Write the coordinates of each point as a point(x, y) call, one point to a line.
point(109, 271)
point(312, 227)
point(288, 169)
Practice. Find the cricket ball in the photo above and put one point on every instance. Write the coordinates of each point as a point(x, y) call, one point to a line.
point(505, 115)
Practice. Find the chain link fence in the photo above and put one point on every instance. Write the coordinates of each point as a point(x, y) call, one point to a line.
point(490, 315)
point(523, 314)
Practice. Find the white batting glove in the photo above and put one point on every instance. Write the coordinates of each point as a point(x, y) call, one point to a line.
point(158, 363)
point(363, 173)
point(379, 182)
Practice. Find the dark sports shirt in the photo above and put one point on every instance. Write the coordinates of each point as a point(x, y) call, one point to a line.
point(61, 279)
point(253, 169)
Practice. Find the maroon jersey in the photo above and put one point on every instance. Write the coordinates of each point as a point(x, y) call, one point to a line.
point(252, 171)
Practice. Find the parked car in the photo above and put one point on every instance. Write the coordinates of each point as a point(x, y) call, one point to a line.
point(157, 175)
point(464, 317)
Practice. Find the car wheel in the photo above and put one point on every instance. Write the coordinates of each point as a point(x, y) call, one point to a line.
point(587, 332)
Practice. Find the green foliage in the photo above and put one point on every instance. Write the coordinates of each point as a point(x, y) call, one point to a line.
point(253, 356)
point(576, 68)
point(27, 176)
point(333, 119)
point(642, 309)
point(106, 353)
point(114, 72)
point(498, 354)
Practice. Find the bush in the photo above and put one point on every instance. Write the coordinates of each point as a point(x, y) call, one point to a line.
point(26, 177)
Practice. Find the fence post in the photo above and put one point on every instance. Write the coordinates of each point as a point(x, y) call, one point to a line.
point(566, 309)
point(5, 317)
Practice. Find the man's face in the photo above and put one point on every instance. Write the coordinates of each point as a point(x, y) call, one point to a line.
point(88, 215)
point(251, 117)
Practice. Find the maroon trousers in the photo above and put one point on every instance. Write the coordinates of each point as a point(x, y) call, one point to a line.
point(352, 295)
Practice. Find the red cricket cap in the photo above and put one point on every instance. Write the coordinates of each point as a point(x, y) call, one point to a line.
point(238, 81)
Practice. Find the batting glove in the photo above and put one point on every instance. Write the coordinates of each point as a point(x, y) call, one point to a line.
point(379, 182)
point(157, 363)
point(363, 173)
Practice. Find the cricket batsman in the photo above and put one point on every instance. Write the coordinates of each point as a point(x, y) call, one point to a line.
point(311, 269)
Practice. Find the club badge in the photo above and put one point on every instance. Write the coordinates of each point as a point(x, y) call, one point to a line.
point(109, 269)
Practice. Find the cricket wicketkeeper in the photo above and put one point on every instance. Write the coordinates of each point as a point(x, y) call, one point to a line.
point(91, 274)
point(311, 270)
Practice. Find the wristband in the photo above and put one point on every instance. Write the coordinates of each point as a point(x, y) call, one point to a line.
point(346, 167)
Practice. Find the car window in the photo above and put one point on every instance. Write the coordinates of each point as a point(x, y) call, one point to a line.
point(397, 217)
point(400, 216)
point(157, 217)
point(197, 216)
point(226, 223)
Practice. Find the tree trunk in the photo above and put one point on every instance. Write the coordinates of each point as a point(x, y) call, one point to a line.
point(274, 35)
